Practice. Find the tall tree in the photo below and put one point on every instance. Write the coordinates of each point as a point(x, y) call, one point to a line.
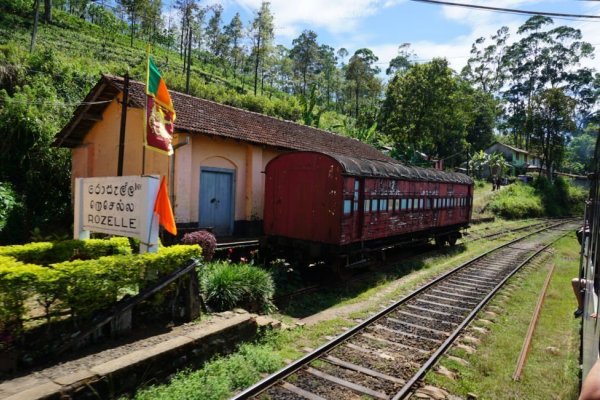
point(233, 34)
point(214, 35)
point(262, 36)
point(362, 73)
point(486, 67)
point(552, 123)
point(402, 61)
point(329, 72)
point(426, 109)
point(544, 57)
point(305, 56)
point(48, 11)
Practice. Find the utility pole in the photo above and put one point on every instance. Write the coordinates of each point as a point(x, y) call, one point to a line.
point(123, 125)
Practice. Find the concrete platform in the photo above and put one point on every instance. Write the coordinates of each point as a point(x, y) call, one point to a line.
point(118, 370)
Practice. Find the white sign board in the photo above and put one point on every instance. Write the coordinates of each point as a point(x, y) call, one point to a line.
point(121, 206)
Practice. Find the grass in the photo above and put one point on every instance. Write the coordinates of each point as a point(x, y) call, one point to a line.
point(220, 378)
point(551, 371)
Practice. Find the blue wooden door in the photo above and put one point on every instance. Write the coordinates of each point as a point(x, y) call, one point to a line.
point(216, 200)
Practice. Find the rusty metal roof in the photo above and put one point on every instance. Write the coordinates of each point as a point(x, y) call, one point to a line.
point(381, 169)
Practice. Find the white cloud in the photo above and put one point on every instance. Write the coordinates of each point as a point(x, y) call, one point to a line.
point(337, 16)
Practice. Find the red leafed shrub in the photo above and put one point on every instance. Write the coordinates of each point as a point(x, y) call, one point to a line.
point(205, 239)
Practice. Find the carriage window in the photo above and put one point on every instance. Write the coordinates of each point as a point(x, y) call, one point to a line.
point(367, 205)
point(347, 207)
point(396, 204)
point(374, 203)
point(421, 203)
point(383, 204)
point(356, 193)
point(403, 204)
point(391, 205)
point(409, 204)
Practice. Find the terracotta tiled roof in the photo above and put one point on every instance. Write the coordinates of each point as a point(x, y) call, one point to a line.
point(199, 116)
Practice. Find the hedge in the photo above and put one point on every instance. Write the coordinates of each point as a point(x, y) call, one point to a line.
point(81, 287)
point(45, 253)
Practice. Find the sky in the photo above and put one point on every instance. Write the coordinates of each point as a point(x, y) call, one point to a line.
point(431, 30)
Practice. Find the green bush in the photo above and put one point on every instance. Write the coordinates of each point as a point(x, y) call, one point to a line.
point(82, 287)
point(228, 285)
point(542, 198)
point(45, 253)
point(517, 201)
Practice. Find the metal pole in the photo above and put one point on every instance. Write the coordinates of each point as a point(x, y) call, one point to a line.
point(123, 124)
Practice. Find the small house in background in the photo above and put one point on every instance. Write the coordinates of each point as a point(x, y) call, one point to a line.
point(216, 173)
point(516, 158)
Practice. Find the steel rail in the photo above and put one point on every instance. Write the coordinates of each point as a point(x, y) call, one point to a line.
point(296, 365)
point(442, 349)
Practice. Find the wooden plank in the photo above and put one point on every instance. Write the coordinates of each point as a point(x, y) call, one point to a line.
point(345, 383)
point(442, 298)
point(427, 318)
point(401, 345)
point(433, 303)
point(436, 331)
point(364, 370)
point(370, 352)
point(430, 311)
point(465, 296)
point(301, 392)
point(411, 335)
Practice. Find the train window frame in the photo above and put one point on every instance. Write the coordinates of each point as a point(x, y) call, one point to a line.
point(347, 207)
point(403, 204)
point(390, 205)
point(421, 204)
point(409, 204)
point(367, 205)
point(396, 205)
point(383, 205)
point(374, 205)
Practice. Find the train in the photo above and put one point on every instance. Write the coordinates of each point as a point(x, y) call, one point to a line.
point(342, 210)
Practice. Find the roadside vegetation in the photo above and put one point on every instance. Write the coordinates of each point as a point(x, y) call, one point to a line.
point(540, 199)
point(551, 371)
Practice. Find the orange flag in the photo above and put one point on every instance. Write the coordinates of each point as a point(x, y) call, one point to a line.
point(162, 206)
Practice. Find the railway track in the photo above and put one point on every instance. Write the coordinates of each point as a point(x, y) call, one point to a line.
point(387, 354)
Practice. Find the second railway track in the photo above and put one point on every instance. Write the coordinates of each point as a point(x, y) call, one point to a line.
point(384, 356)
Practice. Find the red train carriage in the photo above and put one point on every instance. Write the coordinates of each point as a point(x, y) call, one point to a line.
point(328, 207)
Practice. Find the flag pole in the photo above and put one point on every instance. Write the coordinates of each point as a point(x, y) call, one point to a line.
point(146, 110)
point(123, 125)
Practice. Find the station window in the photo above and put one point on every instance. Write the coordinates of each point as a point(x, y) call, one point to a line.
point(347, 207)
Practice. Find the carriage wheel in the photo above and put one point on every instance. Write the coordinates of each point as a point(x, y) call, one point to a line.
point(452, 238)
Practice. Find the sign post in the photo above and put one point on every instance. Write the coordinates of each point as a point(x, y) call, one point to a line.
point(118, 206)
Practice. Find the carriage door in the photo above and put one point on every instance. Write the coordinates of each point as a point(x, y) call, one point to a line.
point(216, 200)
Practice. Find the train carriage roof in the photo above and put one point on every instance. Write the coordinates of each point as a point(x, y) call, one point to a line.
point(381, 169)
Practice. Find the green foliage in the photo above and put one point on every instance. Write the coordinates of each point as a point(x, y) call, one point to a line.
point(540, 199)
point(220, 377)
point(227, 286)
point(517, 201)
point(45, 253)
point(8, 202)
point(82, 287)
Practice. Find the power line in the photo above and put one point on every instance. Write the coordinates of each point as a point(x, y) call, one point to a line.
point(510, 10)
